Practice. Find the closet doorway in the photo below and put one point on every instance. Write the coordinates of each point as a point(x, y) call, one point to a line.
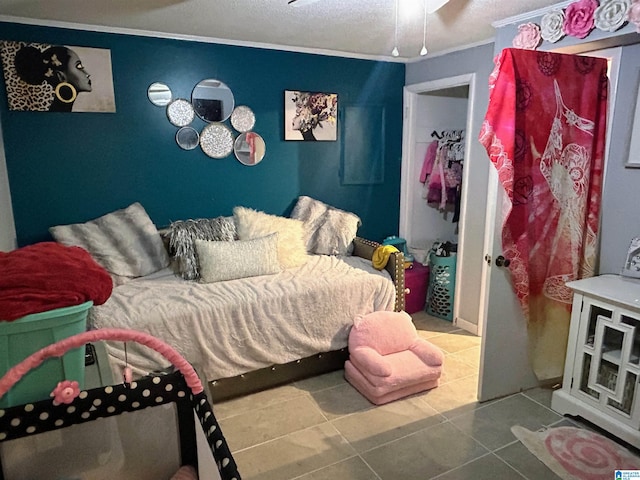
point(432, 108)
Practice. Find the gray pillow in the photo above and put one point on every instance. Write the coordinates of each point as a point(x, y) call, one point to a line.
point(183, 233)
point(328, 230)
point(124, 242)
point(221, 261)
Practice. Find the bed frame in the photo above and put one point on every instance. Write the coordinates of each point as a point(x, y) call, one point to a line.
point(227, 388)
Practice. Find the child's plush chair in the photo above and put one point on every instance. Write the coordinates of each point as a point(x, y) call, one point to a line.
point(387, 358)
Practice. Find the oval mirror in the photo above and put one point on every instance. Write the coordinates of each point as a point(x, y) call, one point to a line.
point(243, 118)
point(212, 100)
point(216, 140)
point(159, 94)
point(249, 148)
point(187, 138)
point(180, 112)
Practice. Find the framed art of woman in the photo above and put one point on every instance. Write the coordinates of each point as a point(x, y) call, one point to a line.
point(310, 116)
point(54, 77)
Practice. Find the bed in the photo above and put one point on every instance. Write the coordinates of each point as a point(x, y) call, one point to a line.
point(251, 332)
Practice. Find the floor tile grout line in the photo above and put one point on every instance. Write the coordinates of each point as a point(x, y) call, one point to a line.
point(440, 475)
point(280, 437)
point(383, 444)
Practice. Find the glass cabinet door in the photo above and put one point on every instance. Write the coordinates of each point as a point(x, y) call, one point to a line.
point(609, 363)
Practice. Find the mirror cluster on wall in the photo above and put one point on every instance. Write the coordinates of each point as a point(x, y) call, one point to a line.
point(212, 101)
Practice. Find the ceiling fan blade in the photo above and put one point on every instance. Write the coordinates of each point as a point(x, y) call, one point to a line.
point(434, 5)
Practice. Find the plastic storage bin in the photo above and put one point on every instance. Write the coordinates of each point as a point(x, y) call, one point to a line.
point(416, 281)
point(24, 336)
point(442, 283)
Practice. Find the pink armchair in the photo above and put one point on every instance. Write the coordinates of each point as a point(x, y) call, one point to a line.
point(387, 358)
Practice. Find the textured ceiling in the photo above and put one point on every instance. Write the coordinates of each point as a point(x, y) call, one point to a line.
point(353, 28)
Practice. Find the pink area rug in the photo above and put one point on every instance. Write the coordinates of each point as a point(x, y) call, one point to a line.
point(577, 454)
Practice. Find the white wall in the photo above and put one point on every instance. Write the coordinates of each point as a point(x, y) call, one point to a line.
point(7, 226)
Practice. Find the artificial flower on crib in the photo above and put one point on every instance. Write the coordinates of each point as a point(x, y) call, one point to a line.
point(528, 37)
point(551, 26)
point(578, 18)
point(65, 392)
point(611, 14)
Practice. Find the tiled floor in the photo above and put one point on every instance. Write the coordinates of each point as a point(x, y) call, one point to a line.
point(322, 428)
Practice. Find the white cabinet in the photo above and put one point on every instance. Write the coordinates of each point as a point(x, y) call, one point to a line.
point(602, 368)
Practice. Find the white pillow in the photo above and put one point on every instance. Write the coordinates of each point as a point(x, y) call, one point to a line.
point(221, 260)
point(124, 242)
point(252, 224)
point(328, 230)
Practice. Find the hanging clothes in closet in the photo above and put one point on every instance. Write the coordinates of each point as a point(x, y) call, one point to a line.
point(441, 172)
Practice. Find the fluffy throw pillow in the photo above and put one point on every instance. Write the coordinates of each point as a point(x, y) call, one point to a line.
point(124, 242)
point(183, 233)
point(328, 230)
point(291, 248)
point(240, 259)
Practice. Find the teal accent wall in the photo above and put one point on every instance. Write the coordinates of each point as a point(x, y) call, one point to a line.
point(72, 167)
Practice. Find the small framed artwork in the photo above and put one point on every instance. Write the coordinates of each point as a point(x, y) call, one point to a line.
point(310, 116)
point(632, 263)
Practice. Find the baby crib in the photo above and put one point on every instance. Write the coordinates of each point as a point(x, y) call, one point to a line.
point(158, 427)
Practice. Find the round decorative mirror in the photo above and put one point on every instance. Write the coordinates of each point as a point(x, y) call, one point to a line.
point(187, 138)
point(180, 112)
point(216, 140)
point(159, 94)
point(242, 118)
point(212, 100)
point(249, 148)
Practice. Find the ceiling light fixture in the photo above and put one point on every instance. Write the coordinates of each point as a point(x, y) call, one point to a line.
point(423, 51)
point(395, 51)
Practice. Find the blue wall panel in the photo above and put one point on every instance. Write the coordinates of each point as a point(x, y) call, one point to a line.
point(72, 167)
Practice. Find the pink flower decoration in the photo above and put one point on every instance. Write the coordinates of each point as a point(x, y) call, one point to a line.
point(634, 15)
point(528, 36)
point(65, 392)
point(578, 21)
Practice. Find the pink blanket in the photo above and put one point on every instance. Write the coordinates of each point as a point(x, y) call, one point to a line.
point(48, 275)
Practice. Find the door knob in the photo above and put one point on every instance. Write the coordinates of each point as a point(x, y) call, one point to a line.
point(502, 262)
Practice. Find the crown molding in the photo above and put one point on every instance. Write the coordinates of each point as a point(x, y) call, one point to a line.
point(529, 15)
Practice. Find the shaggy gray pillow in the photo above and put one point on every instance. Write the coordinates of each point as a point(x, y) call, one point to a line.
point(328, 230)
point(184, 233)
point(124, 242)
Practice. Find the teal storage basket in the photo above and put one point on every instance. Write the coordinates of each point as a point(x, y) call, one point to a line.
point(22, 337)
point(442, 285)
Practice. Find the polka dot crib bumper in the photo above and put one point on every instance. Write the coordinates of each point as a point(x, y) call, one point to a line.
point(150, 428)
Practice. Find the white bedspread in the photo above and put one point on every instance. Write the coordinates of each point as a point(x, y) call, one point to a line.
point(227, 328)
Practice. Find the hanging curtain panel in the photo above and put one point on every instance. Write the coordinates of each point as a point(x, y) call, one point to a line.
point(544, 132)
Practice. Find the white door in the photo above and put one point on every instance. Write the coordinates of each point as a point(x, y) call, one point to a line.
point(504, 362)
